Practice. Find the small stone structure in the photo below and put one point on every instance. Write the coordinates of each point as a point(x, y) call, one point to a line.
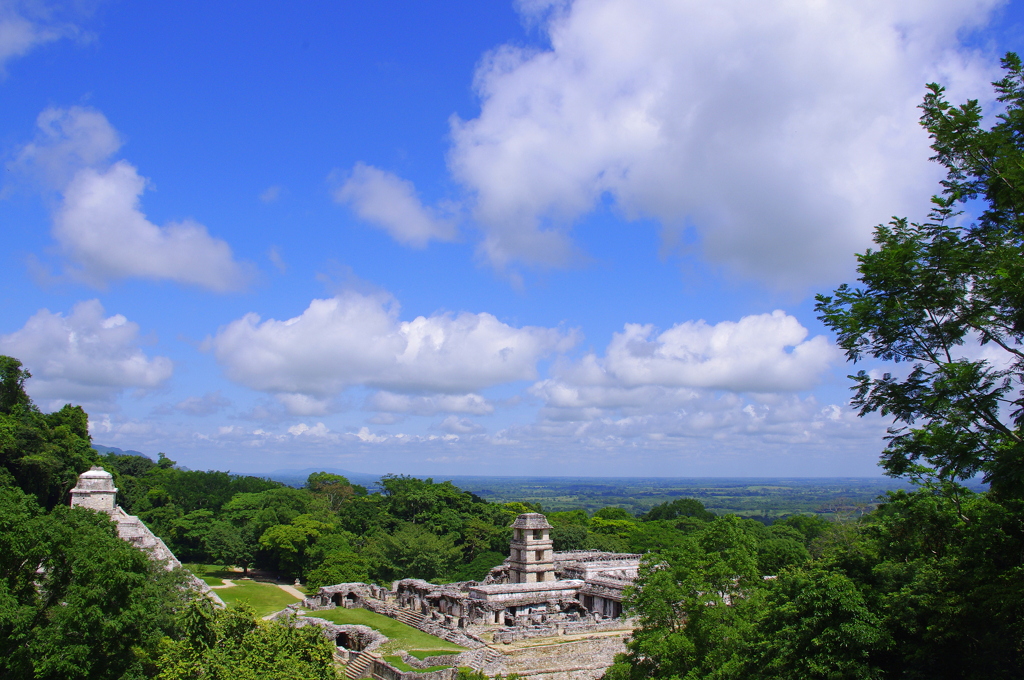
point(95, 490)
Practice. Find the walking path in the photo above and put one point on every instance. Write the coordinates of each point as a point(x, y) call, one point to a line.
point(228, 583)
point(291, 590)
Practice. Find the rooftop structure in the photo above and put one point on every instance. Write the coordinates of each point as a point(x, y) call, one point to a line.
point(95, 490)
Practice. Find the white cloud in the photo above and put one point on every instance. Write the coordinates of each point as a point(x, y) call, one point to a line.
point(457, 425)
point(729, 421)
point(758, 353)
point(68, 140)
point(391, 203)
point(389, 402)
point(667, 384)
point(781, 131)
point(99, 224)
point(84, 356)
point(271, 194)
point(304, 405)
point(25, 26)
point(357, 339)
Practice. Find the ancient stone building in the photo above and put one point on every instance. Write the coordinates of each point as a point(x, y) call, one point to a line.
point(95, 490)
point(531, 558)
point(536, 586)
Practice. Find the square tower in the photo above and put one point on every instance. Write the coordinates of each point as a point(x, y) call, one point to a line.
point(532, 558)
point(95, 490)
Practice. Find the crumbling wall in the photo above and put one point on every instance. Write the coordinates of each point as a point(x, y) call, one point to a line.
point(586, 659)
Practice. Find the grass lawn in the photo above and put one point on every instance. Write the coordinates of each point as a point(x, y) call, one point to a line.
point(265, 598)
point(397, 662)
point(212, 574)
point(424, 653)
point(400, 635)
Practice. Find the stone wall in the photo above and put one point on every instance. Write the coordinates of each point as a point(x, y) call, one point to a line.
point(586, 659)
point(382, 670)
point(507, 635)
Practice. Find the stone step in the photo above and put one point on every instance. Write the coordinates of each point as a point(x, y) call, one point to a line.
point(358, 667)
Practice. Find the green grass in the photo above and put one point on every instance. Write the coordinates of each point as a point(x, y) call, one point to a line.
point(265, 598)
point(397, 662)
point(424, 653)
point(400, 635)
point(212, 574)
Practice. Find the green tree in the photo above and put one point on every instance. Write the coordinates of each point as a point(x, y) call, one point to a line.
point(233, 644)
point(680, 507)
point(931, 289)
point(815, 625)
point(688, 602)
point(413, 551)
point(76, 601)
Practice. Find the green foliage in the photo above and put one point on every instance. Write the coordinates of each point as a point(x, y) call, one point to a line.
point(334, 489)
point(681, 507)
point(412, 551)
point(12, 385)
point(688, 600)
point(75, 600)
point(478, 569)
point(235, 645)
point(931, 288)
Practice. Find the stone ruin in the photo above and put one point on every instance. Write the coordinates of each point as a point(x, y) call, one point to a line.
point(535, 594)
point(535, 586)
point(95, 490)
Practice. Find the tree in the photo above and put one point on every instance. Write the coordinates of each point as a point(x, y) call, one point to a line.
point(76, 601)
point(335, 489)
point(12, 384)
point(691, 604)
point(233, 644)
point(815, 625)
point(931, 293)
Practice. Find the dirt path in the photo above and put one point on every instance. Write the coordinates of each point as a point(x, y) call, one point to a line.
point(228, 583)
point(291, 591)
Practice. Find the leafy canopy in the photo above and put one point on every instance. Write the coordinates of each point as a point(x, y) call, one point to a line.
point(936, 294)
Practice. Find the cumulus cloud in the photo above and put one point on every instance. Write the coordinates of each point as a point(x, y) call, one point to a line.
point(781, 132)
point(457, 425)
point(728, 420)
point(358, 339)
point(99, 224)
point(84, 356)
point(674, 379)
point(758, 353)
point(390, 202)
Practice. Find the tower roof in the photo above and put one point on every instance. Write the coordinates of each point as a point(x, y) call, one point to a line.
point(531, 520)
point(95, 479)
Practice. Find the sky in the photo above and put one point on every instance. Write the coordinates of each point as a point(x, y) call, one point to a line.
point(545, 237)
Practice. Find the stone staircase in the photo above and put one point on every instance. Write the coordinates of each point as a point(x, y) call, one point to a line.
point(358, 667)
point(483, 658)
point(409, 618)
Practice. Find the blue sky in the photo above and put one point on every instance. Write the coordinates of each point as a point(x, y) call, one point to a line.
point(543, 237)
